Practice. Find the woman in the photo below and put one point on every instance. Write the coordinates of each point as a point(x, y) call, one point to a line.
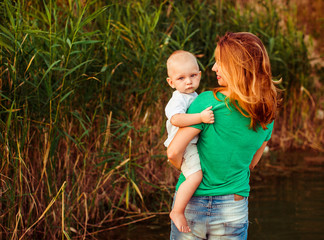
point(244, 108)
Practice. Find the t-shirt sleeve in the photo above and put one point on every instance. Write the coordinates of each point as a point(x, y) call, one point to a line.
point(175, 105)
point(270, 128)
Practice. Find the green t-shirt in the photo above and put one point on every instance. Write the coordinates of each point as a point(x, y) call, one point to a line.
point(226, 147)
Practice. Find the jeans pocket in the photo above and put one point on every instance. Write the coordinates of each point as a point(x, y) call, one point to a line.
point(236, 230)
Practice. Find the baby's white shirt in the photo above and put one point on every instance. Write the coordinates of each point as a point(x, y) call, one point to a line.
point(179, 103)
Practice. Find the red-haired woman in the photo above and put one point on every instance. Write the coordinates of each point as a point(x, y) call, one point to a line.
point(244, 107)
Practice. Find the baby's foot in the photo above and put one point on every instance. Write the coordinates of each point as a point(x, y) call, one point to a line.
point(180, 221)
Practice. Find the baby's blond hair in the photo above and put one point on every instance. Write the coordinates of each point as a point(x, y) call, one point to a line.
point(179, 55)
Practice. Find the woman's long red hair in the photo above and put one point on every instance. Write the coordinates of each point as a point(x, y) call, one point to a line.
point(246, 69)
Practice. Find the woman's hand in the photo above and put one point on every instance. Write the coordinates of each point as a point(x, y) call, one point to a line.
point(179, 144)
point(257, 156)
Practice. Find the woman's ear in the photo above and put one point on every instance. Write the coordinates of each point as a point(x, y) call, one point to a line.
point(170, 82)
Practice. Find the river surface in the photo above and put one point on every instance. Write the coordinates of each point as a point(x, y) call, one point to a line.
point(286, 203)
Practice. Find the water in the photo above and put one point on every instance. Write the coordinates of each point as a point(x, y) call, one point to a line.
point(286, 203)
point(289, 206)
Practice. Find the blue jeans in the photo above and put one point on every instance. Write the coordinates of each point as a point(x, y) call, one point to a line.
point(214, 217)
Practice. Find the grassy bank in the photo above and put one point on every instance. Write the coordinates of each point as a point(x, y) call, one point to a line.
point(83, 90)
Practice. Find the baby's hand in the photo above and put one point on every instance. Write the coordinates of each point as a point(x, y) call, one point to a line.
point(207, 116)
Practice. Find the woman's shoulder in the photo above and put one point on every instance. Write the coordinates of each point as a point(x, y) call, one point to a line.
point(206, 94)
point(209, 96)
point(203, 99)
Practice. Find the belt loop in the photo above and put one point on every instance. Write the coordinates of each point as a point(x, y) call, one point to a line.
point(210, 201)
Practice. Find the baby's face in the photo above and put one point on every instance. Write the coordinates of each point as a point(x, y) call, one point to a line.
point(184, 76)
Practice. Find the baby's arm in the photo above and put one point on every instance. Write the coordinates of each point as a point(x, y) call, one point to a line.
point(187, 119)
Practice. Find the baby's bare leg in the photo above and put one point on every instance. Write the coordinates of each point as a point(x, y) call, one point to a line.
point(184, 194)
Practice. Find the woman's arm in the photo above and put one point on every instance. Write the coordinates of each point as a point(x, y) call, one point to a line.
point(179, 143)
point(257, 156)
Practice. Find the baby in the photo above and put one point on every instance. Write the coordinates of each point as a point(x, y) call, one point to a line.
point(184, 76)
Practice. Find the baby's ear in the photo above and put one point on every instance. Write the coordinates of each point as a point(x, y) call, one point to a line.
point(169, 80)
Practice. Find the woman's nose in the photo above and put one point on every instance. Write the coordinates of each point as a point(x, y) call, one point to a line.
point(214, 68)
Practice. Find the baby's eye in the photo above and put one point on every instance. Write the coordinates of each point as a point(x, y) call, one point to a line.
point(180, 78)
point(193, 75)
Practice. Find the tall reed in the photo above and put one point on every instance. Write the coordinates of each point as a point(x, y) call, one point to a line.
point(83, 90)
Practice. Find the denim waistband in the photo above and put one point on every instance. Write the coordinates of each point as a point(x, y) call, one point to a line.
point(220, 197)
